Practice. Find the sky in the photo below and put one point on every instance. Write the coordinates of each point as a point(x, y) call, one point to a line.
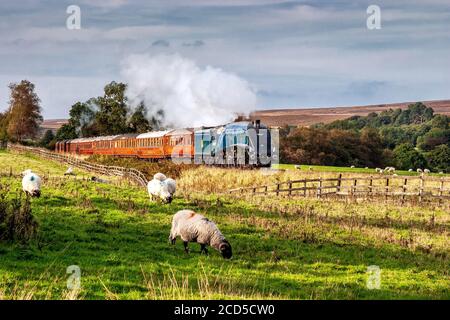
point(292, 53)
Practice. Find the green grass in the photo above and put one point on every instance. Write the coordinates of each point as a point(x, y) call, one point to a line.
point(314, 250)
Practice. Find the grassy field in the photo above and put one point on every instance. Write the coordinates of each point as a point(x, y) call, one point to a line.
point(330, 169)
point(283, 249)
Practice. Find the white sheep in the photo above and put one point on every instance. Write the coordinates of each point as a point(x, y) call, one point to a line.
point(410, 170)
point(161, 187)
point(379, 170)
point(297, 167)
point(69, 172)
point(419, 170)
point(31, 183)
point(352, 167)
point(426, 171)
point(193, 227)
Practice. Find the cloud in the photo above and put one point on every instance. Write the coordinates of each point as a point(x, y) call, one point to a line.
point(161, 43)
point(196, 43)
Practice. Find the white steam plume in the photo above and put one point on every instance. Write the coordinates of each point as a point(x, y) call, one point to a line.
point(189, 95)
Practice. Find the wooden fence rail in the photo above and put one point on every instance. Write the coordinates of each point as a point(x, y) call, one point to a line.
point(405, 188)
point(128, 173)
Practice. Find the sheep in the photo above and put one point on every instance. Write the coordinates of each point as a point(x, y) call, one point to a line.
point(352, 167)
point(410, 170)
point(69, 172)
point(297, 167)
point(161, 187)
point(193, 227)
point(419, 170)
point(426, 171)
point(310, 168)
point(159, 176)
point(31, 183)
point(366, 168)
point(379, 170)
point(441, 172)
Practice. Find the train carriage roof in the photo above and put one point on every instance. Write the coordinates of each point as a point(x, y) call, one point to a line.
point(179, 132)
point(153, 134)
point(126, 136)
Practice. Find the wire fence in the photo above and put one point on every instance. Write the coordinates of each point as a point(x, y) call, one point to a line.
point(127, 173)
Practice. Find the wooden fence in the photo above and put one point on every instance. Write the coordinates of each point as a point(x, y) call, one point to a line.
point(128, 173)
point(418, 189)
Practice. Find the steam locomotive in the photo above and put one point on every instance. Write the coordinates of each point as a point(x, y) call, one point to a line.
point(243, 143)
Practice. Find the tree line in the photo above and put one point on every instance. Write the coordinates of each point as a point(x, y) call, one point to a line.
point(407, 139)
point(109, 114)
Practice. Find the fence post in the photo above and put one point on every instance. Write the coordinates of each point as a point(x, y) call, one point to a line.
point(387, 188)
point(441, 190)
point(339, 182)
point(265, 190)
point(319, 189)
point(304, 187)
point(278, 189)
point(404, 190)
point(290, 188)
point(421, 188)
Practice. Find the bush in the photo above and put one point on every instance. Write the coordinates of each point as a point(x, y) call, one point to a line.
point(16, 219)
point(406, 157)
point(439, 158)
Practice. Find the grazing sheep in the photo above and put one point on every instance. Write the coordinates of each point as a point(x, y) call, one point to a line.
point(410, 170)
point(426, 171)
point(441, 172)
point(159, 176)
point(297, 167)
point(379, 170)
point(310, 168)
point(31, 183)
point(366, 168)
point(69, 172)
point(99, 180)
point(352, 167)
point(162, 188)
point(419, 170)
point(193, 227)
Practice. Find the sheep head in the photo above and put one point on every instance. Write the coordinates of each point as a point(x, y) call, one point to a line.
point(225, 249)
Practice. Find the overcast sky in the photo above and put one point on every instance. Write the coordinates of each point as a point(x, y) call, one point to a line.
point(294, 53)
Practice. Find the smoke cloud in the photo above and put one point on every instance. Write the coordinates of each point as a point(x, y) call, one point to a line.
point(189, 95)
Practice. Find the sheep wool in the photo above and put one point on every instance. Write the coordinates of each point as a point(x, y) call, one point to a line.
point(194, 227)
point(161, 187)
point(31, 183)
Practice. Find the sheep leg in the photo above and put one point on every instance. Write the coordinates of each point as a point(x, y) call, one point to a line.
point(203, 249)
point(186, 249)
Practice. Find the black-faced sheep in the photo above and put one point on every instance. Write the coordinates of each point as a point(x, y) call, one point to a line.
point(31, 183)
point(193, 227)
point(162, 188)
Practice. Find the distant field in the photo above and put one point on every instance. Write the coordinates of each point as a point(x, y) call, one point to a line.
point(309, 116)
point(283, 248)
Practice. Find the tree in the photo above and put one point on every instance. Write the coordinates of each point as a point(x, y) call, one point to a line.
point(66, 132)
point(439, 158)
point(433, 138)
point(82, 117)
point(47, 140)
point(111, 117)
point(24, 111)
point(138, 122)
point(3, 129)
point(406, 157)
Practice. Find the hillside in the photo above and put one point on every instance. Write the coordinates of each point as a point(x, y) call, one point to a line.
point(306, 117)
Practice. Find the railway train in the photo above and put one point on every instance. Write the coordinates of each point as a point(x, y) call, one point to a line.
point(245, 143)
